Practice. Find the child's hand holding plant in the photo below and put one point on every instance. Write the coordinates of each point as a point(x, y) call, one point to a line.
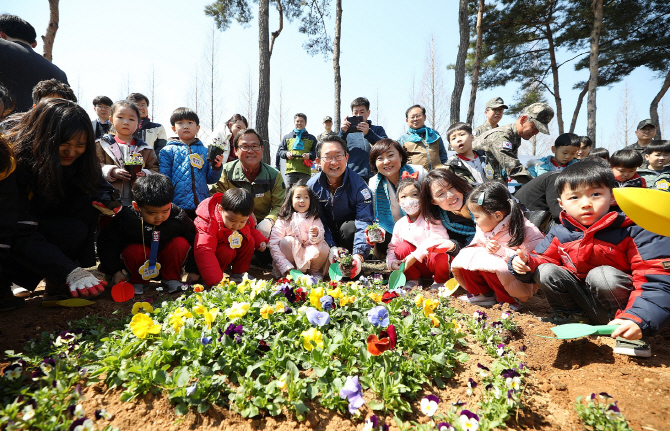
point(492, 246)
point(519, 263)
point(217, 162)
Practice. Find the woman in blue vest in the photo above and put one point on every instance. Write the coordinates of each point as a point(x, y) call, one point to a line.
point(388, 160)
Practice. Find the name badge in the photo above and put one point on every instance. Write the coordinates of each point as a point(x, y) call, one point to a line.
point(662, 185)
point(196, 161)
point(259, 195)
point(151, 268)
point(488, 170)
point(235, 240)
point(147, 272)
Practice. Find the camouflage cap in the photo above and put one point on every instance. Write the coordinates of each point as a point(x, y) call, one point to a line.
point(327, 118)
point(540, 114)
point(496, 102)
point(644, 123)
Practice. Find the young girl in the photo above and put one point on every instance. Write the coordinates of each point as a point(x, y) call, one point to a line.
point(418, 242)
point(501, 230)
point(226, 135)
point(58, 177)
point(119, 146)
point(297, 239)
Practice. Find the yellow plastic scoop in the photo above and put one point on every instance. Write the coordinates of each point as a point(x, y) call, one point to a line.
point(648, 208)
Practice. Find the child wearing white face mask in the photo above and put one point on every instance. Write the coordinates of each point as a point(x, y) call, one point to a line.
point(417, 242)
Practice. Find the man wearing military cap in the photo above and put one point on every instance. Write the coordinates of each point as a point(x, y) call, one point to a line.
point(502, 144)
point(328, 126)
point(494, 112)
point(646, 130)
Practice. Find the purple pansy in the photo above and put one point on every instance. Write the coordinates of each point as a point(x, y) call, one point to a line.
point(379, 316)
point(316, 317)
point(353, 392)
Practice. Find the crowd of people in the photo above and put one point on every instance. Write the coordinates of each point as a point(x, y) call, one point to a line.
point(117, 190)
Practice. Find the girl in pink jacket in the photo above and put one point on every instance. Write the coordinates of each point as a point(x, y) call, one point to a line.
point(502, 229)
point(297, 238)
point(416, 241)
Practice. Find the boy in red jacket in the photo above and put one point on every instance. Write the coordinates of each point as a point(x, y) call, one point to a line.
point(226, 235)
point(599, 263)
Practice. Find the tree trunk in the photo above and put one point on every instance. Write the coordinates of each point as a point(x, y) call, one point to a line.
point(478, 59)
point(459, 81)
point(336, 65)
point(580, 99)
point(593, 69)
point(653, 108)
point(554, 71)
point(52, 28)
point(263, 106)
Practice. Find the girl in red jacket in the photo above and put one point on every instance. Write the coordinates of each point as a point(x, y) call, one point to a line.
point(226, 235)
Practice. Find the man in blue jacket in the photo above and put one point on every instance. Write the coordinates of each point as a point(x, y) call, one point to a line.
point(360, 139)
point(346, 201)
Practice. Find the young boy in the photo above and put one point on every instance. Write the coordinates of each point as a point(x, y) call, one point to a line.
point(423, 145)
point(102, 106)
point(585, 144)
point(361, 138)
point(132, 233)
point(600, 263)
point(565, 148)
point(184, 161)
point(657, 174)
point(624, 165)
point(226, 235)
point(298, 148)
point(467, 163)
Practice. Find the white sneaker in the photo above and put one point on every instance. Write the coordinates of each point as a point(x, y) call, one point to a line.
point(172, 285)
point(411, 284)
point(20, 292)
point(436, 286)
point(139, 289)
point(481, 300)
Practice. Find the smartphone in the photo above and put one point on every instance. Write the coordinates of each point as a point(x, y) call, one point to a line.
point(354, 121)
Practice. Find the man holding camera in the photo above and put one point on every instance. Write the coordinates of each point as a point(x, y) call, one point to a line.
point(360, 135)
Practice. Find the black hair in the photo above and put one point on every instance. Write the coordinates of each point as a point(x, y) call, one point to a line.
point(238, 201)
point(493, 196)
point(300, 114)
point(181, 114)
point(155, 190)
point(286, 211)
point(235, 118)
point(586, 141)
point(102, 100)
point(123, 104)
point(588, 172)
point(600, 152)
point(459, 126)
point(568, 140)
point(52, 86)
point(7, 101)
point(432, 212)
point(17, 28)
point(247, 132)
point(407, 182)
point(6, 158)
point(628, 159)
point(423, 110)
point(332, 138)
point(360, 101)
point(36, 140)
point(137, 98)
point(661, 146)
point(382, 146)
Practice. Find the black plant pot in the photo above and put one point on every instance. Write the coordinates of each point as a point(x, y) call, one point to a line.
point(213, 152)
point(132, 170)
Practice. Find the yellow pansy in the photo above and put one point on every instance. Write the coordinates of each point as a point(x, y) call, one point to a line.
point(434, 320)
point(311, 335)
point(279, 307)
point(315, 297)
point(143, 325)
point(377, 297)
point(266, 310)
point(429, 306)
point(336, 293)
point(142, 307)
point(282, 383)
point(237, 310)
point(257, 287)
point(346, 300)
point(419, 300)
point(245, 285)
point(458, 328)
point(210, 316)
point(200, 309)
point(177, 318)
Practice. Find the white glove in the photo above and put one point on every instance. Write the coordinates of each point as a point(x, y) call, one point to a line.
point(82, 282)
point(333, 256)
point(265, 227)
point(358, 265)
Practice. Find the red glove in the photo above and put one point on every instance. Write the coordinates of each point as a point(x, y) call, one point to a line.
point(308, 163)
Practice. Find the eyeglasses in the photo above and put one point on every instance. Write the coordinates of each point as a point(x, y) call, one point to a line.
point(416, 117)
point(329, 159)
point(249, 148)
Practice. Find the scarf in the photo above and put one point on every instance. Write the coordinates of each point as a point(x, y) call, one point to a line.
point(382, 202)
point(415, 134)
point(461, 229)
point(298, 144)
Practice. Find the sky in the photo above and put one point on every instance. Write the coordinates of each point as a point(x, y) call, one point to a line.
point(107, 48)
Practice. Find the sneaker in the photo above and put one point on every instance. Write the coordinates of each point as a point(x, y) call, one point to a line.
point(515, 306)
point(639, 348)
point(481, 300)
point(237, 278)
point(411, 284)
point(172, 285)
point(139, 289)
point(436, 286)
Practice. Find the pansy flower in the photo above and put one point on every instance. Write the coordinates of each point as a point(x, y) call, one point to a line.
point(469, 421)
point(282, 382)
point(315, 297)
point(434, 320)
point(379, 316)
point(327, 302)
point(371, 423)
point(353, 392)
point(12, 372)
point(389, 296)
point(346, 300)
point(311, 335)
point(191, 389)
point(471, 385)
point(206, 340)
point(266, 311)
point(82, 424)
point(500, 351)
point(316, 317)
point(418, 300)
point(210, 316)
point(513, 382)
point(429, 405)
point(263, 345)
point(613, 411)
point(444, 426)
point(102, 414)
point(47, 365)
point(233, 330)
point(429, 306)
point(377, 346)
point(389, 333)
point(143, 325)
point(375, 296)
point(300, 295)
point(336, 293)
point(28, 413)
point(237, 310)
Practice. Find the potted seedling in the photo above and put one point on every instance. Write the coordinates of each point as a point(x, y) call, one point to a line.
point(133, 165)
point(375, 233)
point(346, 262)
point(215, 149)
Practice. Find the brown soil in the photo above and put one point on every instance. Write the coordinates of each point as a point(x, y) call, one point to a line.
point(560, 372)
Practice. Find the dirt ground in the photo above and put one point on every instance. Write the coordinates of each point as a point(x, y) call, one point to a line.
point(560, 372)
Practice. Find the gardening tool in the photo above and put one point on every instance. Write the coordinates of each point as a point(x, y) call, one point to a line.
point(577, 330)
point(452, 286)
point(648, 208)
point(72, 302)
point(335, 272)
point(295, 274)
point(397, 278)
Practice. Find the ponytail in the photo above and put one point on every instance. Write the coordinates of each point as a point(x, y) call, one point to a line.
point(517, 223)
